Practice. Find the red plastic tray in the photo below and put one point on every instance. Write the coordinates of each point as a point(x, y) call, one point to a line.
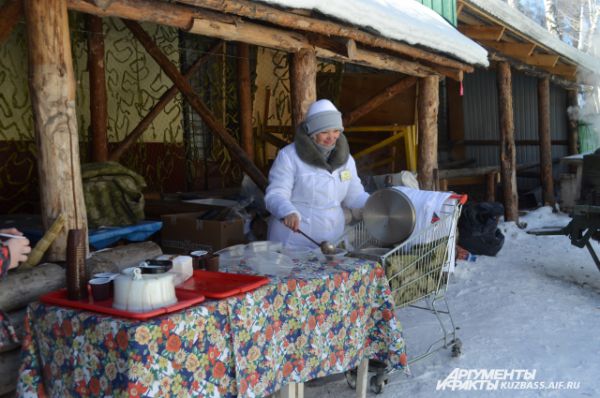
point(220, 285)
point(59, 297)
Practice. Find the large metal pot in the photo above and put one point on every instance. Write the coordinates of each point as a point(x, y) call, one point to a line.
point(389, 216)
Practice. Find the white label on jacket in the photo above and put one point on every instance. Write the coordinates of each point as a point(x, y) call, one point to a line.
point(345, 175)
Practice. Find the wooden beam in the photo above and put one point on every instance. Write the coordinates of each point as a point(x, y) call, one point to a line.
point(292, 42)
point(265, 13)
point(161, 13)
point(198, 105)
point(164, 99)
point(517, 50)
point(341, 46)
point(247, 32)
point(544, 60)
point(245, 98)
point(52, 93)
point(98, 97)
point(482, 32)
point(12, 12)
point(303, 82)
point(545, 142)
point(569, 71)
point(274, 140)
point(374, 102)
point(508, 155)
point(533, 71)
point(427, 105)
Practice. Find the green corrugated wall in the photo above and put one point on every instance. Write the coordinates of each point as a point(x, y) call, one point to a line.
point(446, 8)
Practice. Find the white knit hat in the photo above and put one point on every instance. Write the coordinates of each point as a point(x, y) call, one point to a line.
point(322, 115)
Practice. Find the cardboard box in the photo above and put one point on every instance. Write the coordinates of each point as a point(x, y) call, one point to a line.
point(185, 232)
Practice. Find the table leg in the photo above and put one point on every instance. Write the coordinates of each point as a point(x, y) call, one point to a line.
point(362, 378)
point(292, 390)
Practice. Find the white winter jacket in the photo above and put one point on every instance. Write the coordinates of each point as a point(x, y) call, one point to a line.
point(312, 192)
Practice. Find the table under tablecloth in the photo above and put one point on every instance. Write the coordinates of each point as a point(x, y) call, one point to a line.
point(321, 319)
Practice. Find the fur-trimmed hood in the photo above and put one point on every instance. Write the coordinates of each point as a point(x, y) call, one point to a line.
point(309, 153)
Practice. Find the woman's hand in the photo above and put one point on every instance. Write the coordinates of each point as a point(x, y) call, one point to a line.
point(19, 249)
point(12, 231)
point(292, 221)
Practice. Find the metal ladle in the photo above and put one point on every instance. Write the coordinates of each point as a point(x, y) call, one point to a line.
point(325, 246)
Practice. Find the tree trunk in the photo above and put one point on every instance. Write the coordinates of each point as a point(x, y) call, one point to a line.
point(303, 82)
point(428, 104)
point(545, 142)
point(98, 112)
point(573, 113)
point(52, 92)
point(508, 156)
point(551, 17)
point(27, 286)
point(245, 98)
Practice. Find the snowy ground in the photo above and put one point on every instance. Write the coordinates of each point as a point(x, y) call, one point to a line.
point(534, 307)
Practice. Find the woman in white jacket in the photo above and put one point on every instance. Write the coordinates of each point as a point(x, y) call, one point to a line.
point(311, 179)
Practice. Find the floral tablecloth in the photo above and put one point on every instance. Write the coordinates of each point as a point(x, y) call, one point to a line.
point(322, 318)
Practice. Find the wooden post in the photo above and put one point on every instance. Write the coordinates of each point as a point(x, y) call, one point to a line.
point(52, 92)
point(197, 104)
point(11, 12)
point(245, 98)
point(545, 141)
point(508, 156)
point(428, 104)
point(98, 104)
point(303, 82)
point(573, 105)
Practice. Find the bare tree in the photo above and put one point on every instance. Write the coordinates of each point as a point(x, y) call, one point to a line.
point(552, 18)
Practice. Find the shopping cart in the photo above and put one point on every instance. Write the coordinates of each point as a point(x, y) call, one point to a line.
point(418, 271)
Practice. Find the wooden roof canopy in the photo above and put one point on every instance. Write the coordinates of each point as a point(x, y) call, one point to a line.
point(505, 43)
point(286, 30)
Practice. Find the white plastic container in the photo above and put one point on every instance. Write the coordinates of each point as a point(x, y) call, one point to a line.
point(135, 292)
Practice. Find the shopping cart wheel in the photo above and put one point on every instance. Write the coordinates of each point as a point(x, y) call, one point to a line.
point(457, 348)
point(351, 376)
point(377, 383)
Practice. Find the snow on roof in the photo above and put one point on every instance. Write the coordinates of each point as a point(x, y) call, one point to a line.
point(403, 20)
point(523, 24)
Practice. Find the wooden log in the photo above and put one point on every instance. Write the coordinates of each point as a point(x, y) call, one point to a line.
point(253, 10)
point(545, 142)
point(573, 131)
point(508, 156)
point(12, 12)
point(245, 98)
point(52, 93)
point(98, 97)
point(303, 83)
point(121, 257)
point(164, 99)
point(428, 104)
point(374, 102)
point(9, 370)
point(490, 191)
point(198, 105)
point(292, 42)
point(26, 286)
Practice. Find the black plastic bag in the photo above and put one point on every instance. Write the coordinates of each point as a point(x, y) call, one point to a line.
point(478, 228)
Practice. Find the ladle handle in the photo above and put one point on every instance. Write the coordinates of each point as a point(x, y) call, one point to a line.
point(306, 236)
point(309, 238)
